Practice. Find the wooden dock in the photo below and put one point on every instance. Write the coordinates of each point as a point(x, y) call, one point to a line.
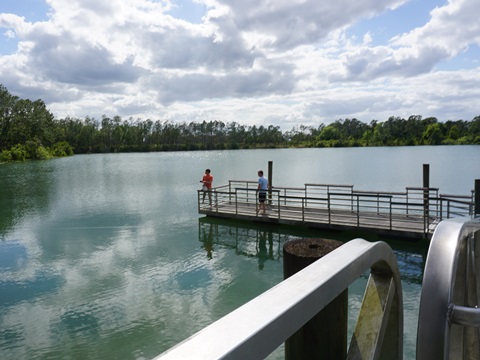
point(410, 214)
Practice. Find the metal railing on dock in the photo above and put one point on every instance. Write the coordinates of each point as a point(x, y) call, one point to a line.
point(415, 211)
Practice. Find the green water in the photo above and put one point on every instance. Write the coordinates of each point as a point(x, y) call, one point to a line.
point(105, 256)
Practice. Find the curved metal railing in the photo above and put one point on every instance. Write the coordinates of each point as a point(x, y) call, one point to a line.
point(257, 328)
point(449, 317)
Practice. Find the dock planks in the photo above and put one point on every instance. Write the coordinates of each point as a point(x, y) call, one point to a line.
point(411, 226)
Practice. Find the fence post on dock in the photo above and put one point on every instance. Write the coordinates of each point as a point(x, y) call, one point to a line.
point(270, 181)
point(325, 334)
point(426, 196)
point(476, 204)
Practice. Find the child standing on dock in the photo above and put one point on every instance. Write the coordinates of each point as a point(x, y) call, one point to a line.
point(207, 181)
point(262, 191)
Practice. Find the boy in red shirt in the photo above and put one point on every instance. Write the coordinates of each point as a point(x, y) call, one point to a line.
point(207, 185)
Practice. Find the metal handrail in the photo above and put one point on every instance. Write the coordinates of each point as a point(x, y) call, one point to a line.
point(399, 209)
point(449, 320)
point(257, 328)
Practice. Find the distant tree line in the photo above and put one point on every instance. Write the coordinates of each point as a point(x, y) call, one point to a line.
point(29, 131)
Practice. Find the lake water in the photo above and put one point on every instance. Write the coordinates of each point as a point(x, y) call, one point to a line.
point(105, 257)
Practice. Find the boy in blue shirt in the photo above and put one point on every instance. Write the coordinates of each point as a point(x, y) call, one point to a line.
point(262, 191)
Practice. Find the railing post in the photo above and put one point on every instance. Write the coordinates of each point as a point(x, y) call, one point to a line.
point(270, 181)
point(306, 193)
point(477, 197)
point(198, 200)
point(351, 194)
point(391, 220)
point(236, 201)
point(406, 197)
point(329, 210)
point(278, 206)
point(325, 335)
point(441, 208)
point(426, 195)
point(303, 209)
point(358, 210)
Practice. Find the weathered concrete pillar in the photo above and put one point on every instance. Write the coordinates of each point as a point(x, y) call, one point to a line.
point(325, 335)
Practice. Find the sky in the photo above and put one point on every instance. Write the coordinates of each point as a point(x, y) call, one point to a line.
point(265, 62)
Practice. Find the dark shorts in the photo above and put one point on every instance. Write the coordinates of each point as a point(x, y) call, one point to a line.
point(262, 196)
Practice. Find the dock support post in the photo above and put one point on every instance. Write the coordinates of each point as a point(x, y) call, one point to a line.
point(477, 197)
point(270, 181)
point(426, 196)
point(325, 335)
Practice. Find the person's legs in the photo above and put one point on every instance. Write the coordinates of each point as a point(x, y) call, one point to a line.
point(261, 198)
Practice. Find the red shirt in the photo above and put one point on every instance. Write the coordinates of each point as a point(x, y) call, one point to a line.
point(207, 180)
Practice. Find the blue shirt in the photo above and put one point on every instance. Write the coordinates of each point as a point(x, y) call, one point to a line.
point(263, 182)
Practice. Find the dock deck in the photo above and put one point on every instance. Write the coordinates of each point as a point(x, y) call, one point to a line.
point(412, 214)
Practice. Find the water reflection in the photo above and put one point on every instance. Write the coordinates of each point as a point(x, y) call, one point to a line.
point(207, 239)
point(13, 292)
point(262, 253)
point(78, 323)
point(254, 241)
point(15, 289)
point(211, 233)
point(71, 235)
point(12, 255)
point(265, 242)
point(20, 181)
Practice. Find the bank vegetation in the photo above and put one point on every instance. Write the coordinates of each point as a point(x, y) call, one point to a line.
point(28, 130)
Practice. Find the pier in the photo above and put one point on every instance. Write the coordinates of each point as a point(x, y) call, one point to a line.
point(413, 213)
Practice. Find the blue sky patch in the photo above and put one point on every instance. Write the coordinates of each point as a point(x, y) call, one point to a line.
point(188, 10)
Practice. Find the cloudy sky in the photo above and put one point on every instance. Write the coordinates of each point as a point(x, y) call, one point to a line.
point(263, 62)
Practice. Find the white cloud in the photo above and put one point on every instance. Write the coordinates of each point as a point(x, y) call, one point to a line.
point(267, 62)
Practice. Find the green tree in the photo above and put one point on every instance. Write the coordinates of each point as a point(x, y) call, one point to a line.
point(7, 104)
point(433, 134)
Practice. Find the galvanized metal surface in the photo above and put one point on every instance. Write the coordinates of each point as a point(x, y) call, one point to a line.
point(463, 315)
point(257, 328)
point(448, 317)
